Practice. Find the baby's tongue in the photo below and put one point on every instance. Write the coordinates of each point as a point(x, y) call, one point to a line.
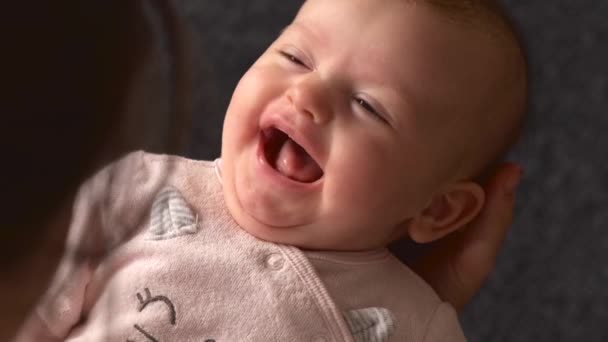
point(293, 162)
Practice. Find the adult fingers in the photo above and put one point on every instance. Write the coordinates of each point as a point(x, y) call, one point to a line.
point(491, 226)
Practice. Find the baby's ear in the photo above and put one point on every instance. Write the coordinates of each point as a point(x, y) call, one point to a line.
point(453, 207)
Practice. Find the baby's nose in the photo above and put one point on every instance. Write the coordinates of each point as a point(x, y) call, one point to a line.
point(311, 96)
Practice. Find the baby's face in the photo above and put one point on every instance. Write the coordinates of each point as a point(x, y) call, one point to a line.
point(345, 128)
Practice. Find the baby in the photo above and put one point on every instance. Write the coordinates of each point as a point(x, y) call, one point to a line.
point(365, 122)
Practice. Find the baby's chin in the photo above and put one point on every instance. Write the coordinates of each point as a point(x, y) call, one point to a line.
point(260, 222)
point(297, 236)
point(309, 236)
point(304, 235)
point(299, 226)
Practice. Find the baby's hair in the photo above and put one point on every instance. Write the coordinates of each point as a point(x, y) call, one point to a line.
point(487, 15)
point(71, 67)
point(491, 18)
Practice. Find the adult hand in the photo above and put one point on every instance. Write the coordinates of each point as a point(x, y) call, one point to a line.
point(457, 265)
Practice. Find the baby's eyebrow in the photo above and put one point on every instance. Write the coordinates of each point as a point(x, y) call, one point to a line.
point(308, 32)
point(282, 32)
point(285, 28)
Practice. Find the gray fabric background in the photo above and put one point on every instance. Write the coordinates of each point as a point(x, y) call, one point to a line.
point(551, 277)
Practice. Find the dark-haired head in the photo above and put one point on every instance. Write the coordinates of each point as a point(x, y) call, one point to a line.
point(68, 69)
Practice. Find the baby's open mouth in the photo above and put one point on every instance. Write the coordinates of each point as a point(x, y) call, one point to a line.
point(288, 157)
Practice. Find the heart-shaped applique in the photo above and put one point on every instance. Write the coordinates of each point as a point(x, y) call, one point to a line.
point(171, 216)
point(370, 324)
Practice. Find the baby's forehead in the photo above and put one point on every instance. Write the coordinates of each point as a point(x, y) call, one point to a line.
point(391, 33)
point(486, 16)
point(430, 51)
point(424, 17)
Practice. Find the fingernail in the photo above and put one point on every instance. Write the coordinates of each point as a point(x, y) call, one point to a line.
point(513, 182)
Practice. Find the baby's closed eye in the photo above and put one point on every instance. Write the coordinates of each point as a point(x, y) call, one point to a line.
point(293, 59)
